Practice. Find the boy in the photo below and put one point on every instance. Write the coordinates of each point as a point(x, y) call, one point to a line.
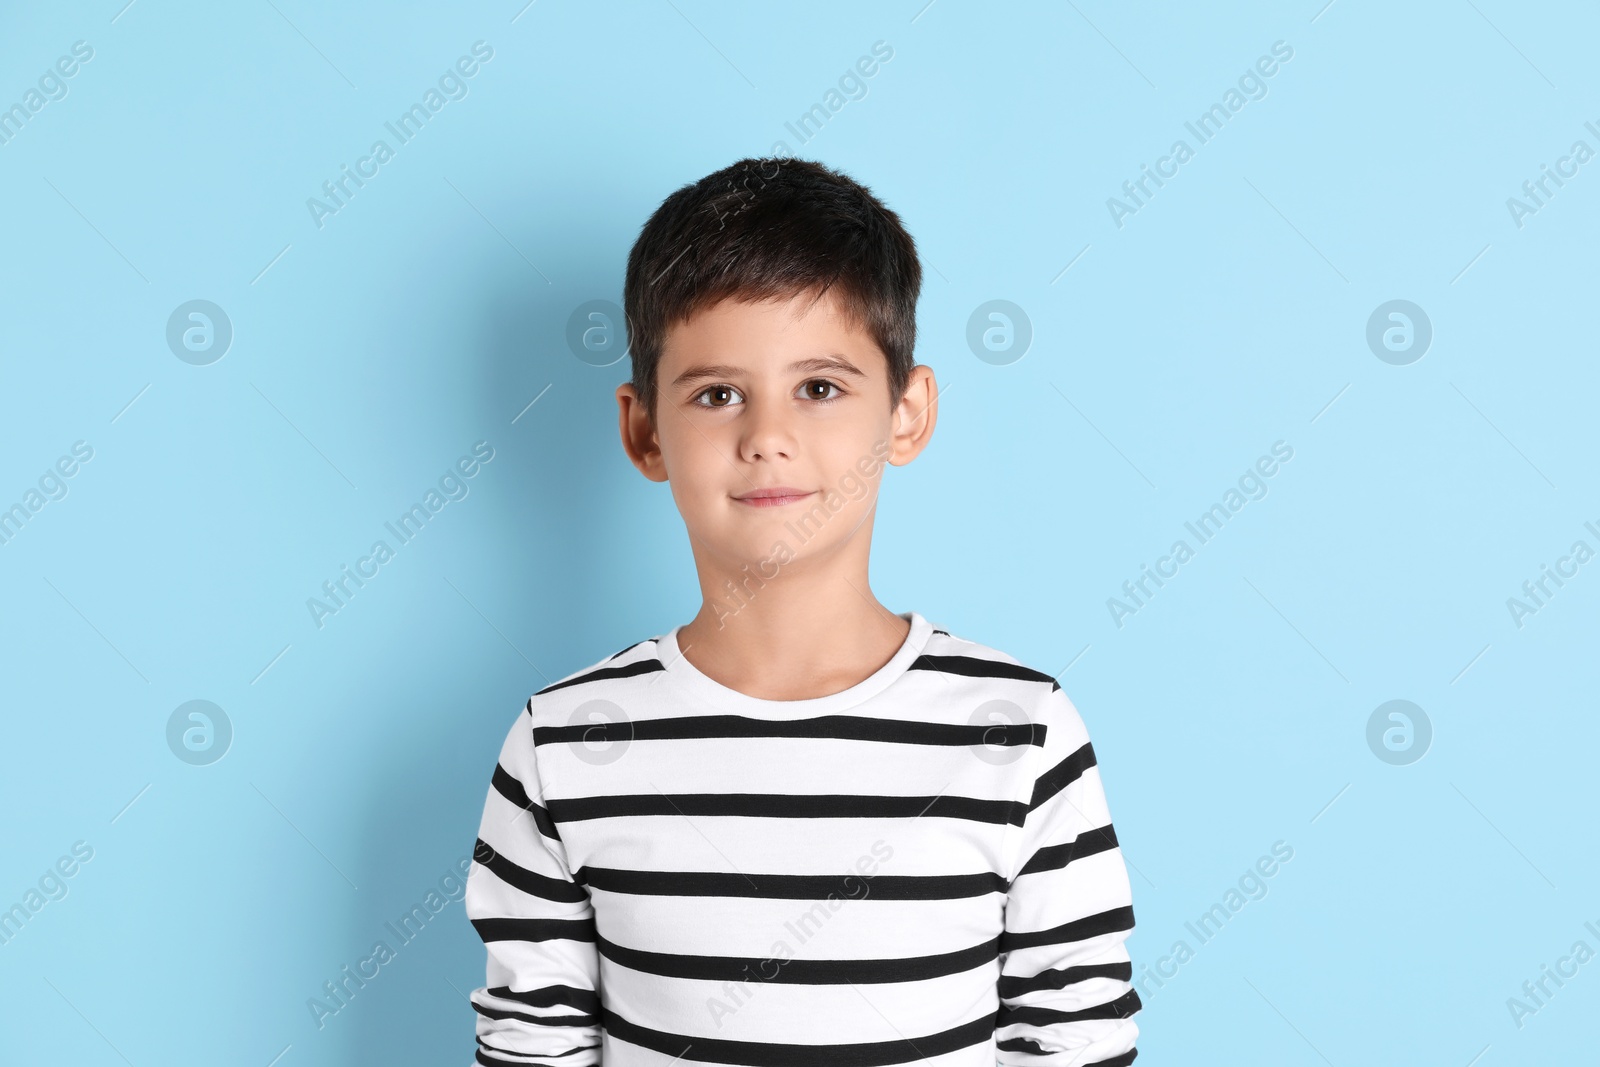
point(799, 829)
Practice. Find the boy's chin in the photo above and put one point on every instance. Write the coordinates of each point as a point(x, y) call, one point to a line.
point(762, 551)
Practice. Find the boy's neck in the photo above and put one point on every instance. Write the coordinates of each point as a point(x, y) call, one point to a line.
point(795, 639)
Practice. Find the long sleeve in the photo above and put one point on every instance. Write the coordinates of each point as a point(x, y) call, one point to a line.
point(540, 1004)
point(1066, 993)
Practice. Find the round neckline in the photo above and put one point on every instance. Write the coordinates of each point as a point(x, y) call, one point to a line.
point(690, 679)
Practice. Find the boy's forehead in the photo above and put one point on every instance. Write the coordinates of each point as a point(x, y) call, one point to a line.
point(768, 332)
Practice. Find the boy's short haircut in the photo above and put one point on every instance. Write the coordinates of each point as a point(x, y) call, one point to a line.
point(772, 228)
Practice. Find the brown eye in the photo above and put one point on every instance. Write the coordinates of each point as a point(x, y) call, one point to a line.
point(719, 390)
point(822, 383)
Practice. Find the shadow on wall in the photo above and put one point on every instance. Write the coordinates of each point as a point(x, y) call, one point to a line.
point(543, 604)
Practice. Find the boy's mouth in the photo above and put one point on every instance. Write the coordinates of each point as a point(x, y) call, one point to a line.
point(776, 496)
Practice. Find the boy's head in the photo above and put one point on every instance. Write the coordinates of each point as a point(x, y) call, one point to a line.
point(767, 228)
point(771, 313)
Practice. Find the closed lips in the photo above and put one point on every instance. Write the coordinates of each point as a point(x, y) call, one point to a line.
point(780, 494)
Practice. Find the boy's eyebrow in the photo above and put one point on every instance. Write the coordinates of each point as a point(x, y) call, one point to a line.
point(722, 370)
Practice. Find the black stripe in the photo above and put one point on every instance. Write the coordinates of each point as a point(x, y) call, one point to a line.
point(487, 1060)
point(627, 670)
point(630, 648)
point(786, 806)
point(1063, 774)
point(790, 886)
point(1054, 857)
point(548, 996)
point(974, 667)
point(1060, 977)
point(537, 1020)
point(773, 1054)
point(507, 785)
point(485, 1048)
point(539, 885)
point(1033, 1048)
point(799, 971)
point(833, 727)
point(1104, 922)
point(518, 929)
point(1035, 1015)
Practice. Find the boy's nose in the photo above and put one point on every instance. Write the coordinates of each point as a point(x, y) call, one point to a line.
point(768, 432)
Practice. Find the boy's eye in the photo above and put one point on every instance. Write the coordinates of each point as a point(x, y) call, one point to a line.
point(825, 384)
point(717, 390)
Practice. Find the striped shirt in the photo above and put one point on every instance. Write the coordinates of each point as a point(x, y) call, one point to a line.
point(920, 868)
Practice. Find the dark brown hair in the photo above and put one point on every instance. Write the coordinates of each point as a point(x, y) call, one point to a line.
point(772, 228)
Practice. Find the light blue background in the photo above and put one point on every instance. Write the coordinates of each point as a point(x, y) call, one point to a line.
point(1228, 313)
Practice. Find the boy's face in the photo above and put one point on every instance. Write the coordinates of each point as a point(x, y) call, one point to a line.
point(779, 394)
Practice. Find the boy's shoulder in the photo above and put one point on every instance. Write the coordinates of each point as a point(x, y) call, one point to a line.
point(1006, 692)
point(598, 691)
point(953, 654)
point(986, 684)
point(622, 671)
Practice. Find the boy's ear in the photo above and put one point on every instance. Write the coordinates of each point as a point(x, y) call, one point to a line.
point(915, 416)
point(639, 439)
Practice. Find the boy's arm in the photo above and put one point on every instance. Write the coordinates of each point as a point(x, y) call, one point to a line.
point(540, 1001)
point(1066, 993)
